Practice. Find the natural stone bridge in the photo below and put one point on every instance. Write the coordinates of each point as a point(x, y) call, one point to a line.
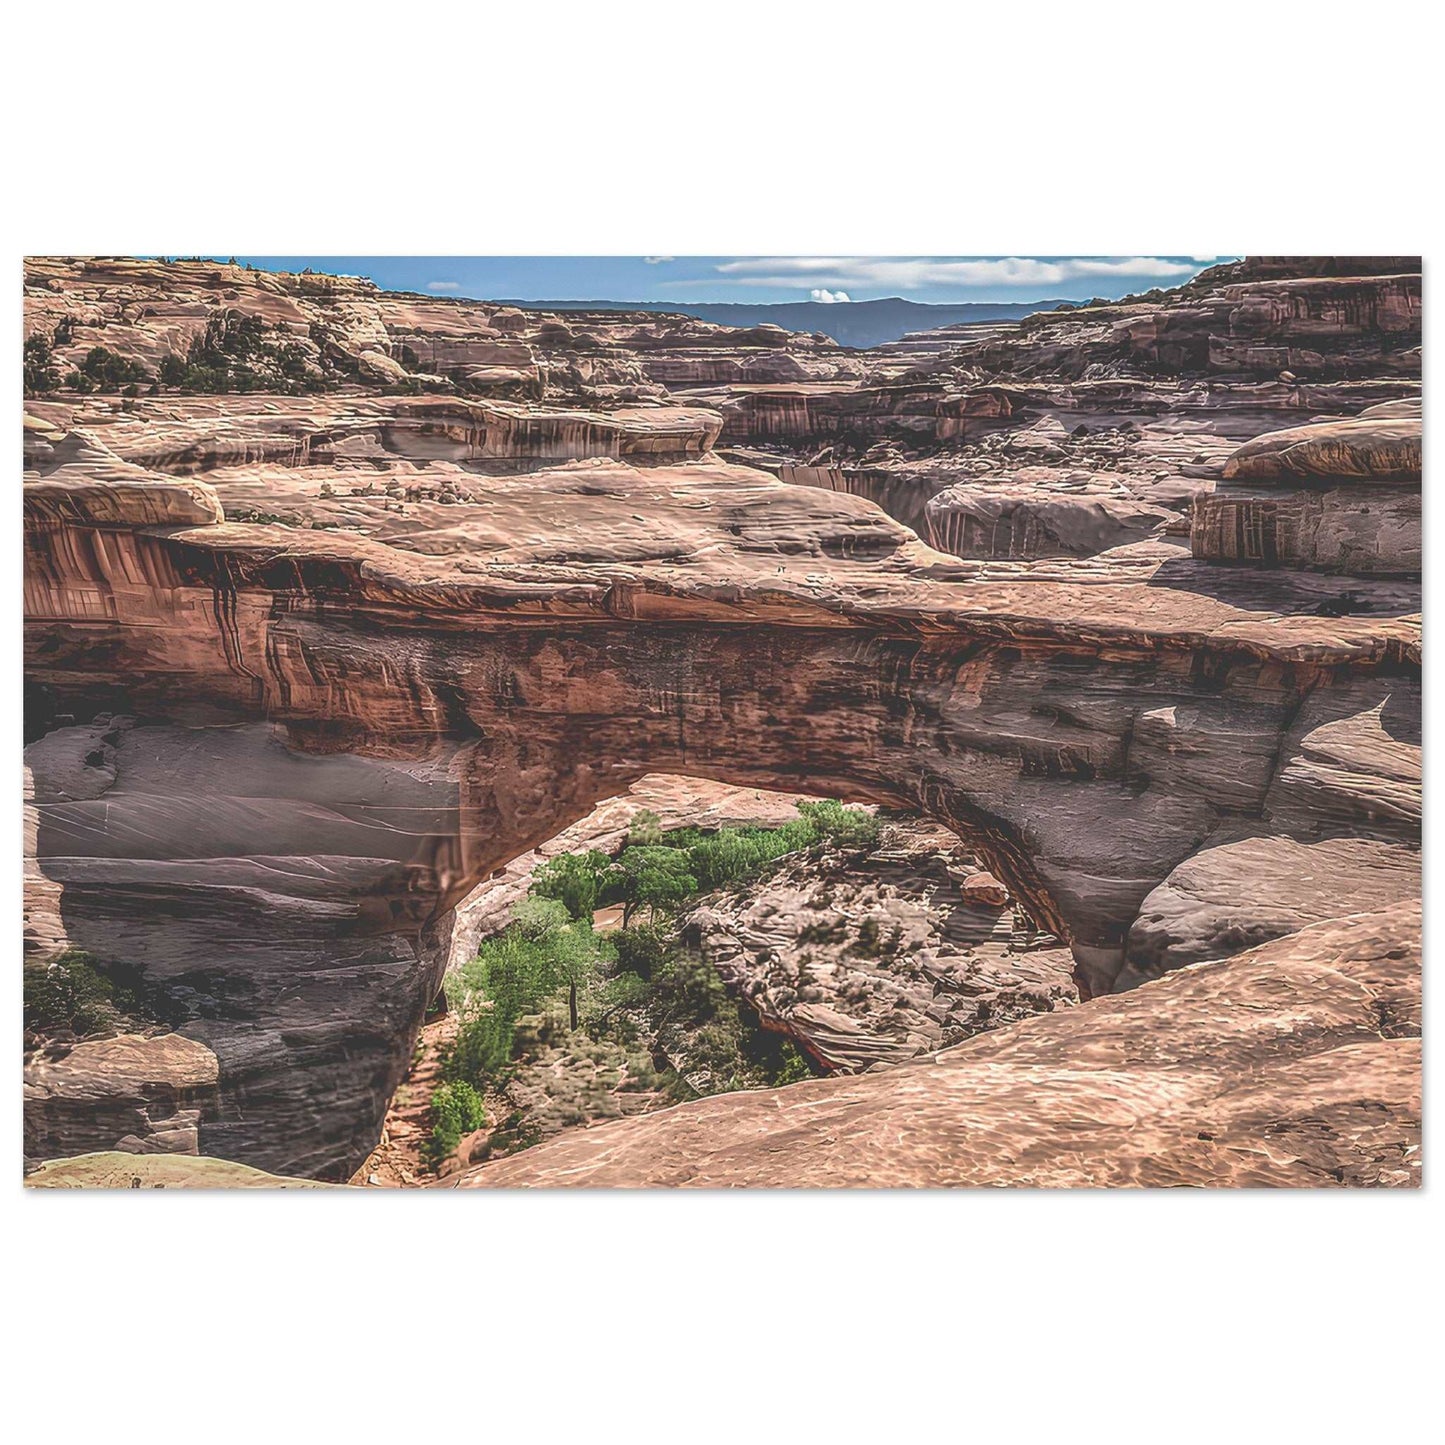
point(269, 762)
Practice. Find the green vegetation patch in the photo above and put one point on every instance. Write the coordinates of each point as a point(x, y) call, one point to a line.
point(71, 996)
point(634, 1009)
point(456, 1109)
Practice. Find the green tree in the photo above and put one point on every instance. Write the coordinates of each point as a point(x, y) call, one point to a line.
point(569, 949)
point(574, 879)
point(656, 877)
point(514, 973)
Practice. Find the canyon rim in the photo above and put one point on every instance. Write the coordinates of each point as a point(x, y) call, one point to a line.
point(476, 743)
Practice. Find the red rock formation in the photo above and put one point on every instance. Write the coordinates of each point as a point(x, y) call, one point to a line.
point(1337, 496)
point(305, 670)
point(1297, 1064)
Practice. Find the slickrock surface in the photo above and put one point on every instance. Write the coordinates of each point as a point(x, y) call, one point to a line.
point(306, 668)
point(1295, 1064)
point(111, 1170)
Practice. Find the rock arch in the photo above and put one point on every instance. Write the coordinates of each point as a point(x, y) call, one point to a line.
point(270, 762)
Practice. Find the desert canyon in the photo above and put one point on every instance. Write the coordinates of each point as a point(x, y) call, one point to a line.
point(345, 608)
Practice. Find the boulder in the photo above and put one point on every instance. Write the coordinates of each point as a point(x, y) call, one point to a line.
point(377, 366)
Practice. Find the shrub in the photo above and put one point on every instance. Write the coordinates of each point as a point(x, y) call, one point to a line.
point(625, 991)
point(645, 830)
point(794, 1066)
point(69, 994)
point(456, 1109)
point(841, 826)
point(40, 373)
point(110, 372)
point(688, 989)
point(575, 879)
point(720, 858)
point(643, 949)
point(238, 352)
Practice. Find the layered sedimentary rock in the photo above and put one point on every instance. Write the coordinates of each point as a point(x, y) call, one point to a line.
point(403, 717)
point(145, 1095)
point(306, 670)
point(1231, 321)
point(342, 329)
point(1337, 496)
point(1174, 379)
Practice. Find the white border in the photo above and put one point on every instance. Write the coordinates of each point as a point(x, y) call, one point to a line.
point(746, 129)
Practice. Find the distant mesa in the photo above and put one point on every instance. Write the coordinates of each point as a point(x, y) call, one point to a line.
point(856, 323)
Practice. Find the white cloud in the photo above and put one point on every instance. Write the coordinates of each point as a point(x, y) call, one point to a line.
point(821, 293)
point(443, 285)
point(877, 273)
point(658, 260)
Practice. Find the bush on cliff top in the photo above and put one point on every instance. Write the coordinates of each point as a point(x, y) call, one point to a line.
point(69, 995)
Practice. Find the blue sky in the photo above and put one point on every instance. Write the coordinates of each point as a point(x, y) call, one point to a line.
point(758, 278)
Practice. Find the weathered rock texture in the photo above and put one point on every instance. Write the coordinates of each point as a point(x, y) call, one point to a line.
point(112, 1170)
point(868, 961)
point(142, 1095)
point(305, 670)
point(1338, 496)
point(1296, 1064)
point(343, 330)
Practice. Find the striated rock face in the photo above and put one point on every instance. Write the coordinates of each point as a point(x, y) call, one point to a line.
point(1295, 1064)
point(141, 1095)
point(1335, 496)
point(402, 722)
point(1372, 448)
point(1338, 834)
point(1037, 513)
point(1229, 320)
point(303, 671)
